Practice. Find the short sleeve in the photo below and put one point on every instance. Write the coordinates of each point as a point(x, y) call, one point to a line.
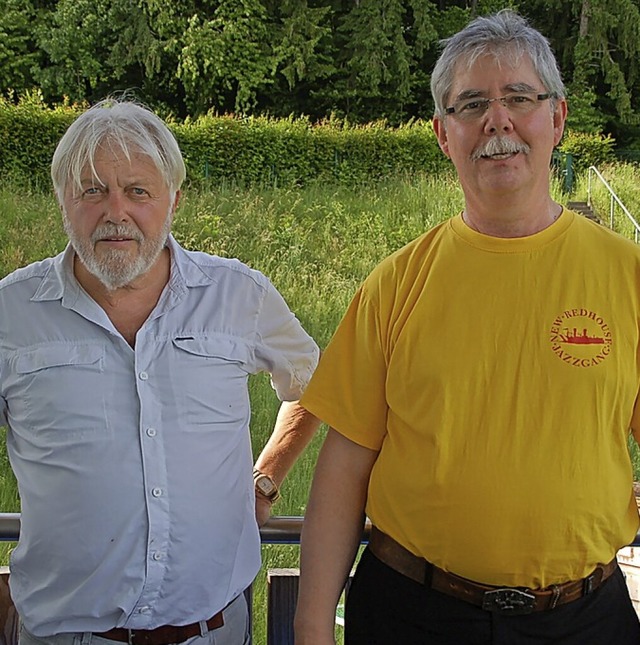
point(348, 390)
point(284, 349)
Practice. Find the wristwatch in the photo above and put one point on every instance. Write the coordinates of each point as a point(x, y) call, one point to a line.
point(265, 485)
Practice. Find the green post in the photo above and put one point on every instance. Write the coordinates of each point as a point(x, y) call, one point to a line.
point(568, 174)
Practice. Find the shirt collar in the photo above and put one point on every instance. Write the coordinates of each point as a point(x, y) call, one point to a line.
point(58, 282)
point(185, 271)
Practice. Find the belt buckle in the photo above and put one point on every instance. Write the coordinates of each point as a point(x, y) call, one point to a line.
point(508, 601)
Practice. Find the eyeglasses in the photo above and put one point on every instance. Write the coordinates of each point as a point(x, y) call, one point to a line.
point(516, 103)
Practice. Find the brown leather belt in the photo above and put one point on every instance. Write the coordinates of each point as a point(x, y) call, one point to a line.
point(165, 635)
point(509, 600)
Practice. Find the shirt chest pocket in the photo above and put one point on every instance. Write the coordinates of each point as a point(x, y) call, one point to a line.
point(59, 390)
point(212, 377)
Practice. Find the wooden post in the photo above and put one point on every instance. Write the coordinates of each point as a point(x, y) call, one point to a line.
point(8, 614)
point(282, 595)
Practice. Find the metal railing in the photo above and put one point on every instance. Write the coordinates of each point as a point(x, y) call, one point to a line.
point(280, 529)
point(614, 201)
point(9, 527)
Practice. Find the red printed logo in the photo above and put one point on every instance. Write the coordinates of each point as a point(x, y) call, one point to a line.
point(580, 337)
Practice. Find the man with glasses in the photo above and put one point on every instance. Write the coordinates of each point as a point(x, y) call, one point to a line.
point(480, 391)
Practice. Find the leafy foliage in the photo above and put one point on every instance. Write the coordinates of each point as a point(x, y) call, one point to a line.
point(18, 51)
point(93, 46)
point(29, 133)
point(361, 61)
point(588, 149)
point(227, 54)
point(237, 150)
point(597, 43)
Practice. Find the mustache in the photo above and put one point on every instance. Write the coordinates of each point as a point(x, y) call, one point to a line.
point(499, 146)
point(116, 230)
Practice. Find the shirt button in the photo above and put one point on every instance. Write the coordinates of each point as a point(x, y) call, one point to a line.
point(151, 432)
point(156, 492)
point(143, 376)
point(157, 555)
point(144, 610)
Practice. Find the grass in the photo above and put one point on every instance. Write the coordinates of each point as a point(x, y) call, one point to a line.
point(316, 244)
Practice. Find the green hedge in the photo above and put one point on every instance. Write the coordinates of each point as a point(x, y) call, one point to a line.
point(29, 133)
point(248, 151)
point(258, 150)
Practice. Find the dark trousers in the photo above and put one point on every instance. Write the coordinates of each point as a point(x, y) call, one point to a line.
point(386, 608)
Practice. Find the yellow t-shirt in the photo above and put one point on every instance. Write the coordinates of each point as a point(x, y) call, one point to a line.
point(498, 379)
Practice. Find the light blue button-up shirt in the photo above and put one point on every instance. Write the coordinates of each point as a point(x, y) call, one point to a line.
point(134, 465)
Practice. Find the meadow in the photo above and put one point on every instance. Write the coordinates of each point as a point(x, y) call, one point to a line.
point(316, 244)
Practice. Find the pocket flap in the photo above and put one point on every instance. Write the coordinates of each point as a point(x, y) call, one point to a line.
point(228, 349)
point(45, 357)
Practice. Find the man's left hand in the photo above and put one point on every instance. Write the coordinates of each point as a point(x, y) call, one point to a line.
point(263, 510)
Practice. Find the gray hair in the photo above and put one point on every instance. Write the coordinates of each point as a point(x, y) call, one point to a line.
point(506, 32)
point(121, 125)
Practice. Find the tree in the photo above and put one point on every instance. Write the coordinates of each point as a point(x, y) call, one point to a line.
point(362, 60)
point(609, 36)
point(95, 47)
point(379, 49)
point(597, 45)
point(18, 51)
point(226, 59)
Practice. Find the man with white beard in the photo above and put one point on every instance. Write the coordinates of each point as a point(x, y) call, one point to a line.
point(481, 389)
point(124, 364)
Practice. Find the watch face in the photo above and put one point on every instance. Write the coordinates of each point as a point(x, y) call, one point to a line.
point(265, 486)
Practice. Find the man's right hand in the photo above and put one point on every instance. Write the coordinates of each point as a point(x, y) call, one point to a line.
point(331, 533)
point(312, 637)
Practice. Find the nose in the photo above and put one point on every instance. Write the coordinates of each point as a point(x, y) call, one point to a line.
point(115, 207)
point(497, 118)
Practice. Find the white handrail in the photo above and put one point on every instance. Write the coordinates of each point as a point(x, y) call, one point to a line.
point(614, 199)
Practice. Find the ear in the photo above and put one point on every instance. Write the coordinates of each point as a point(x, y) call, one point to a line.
point(176, 201)
point(441, 134)
point(559, 118)
point(59, 200)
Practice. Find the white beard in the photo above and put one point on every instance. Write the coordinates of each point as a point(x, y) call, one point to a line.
point(114, 268)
